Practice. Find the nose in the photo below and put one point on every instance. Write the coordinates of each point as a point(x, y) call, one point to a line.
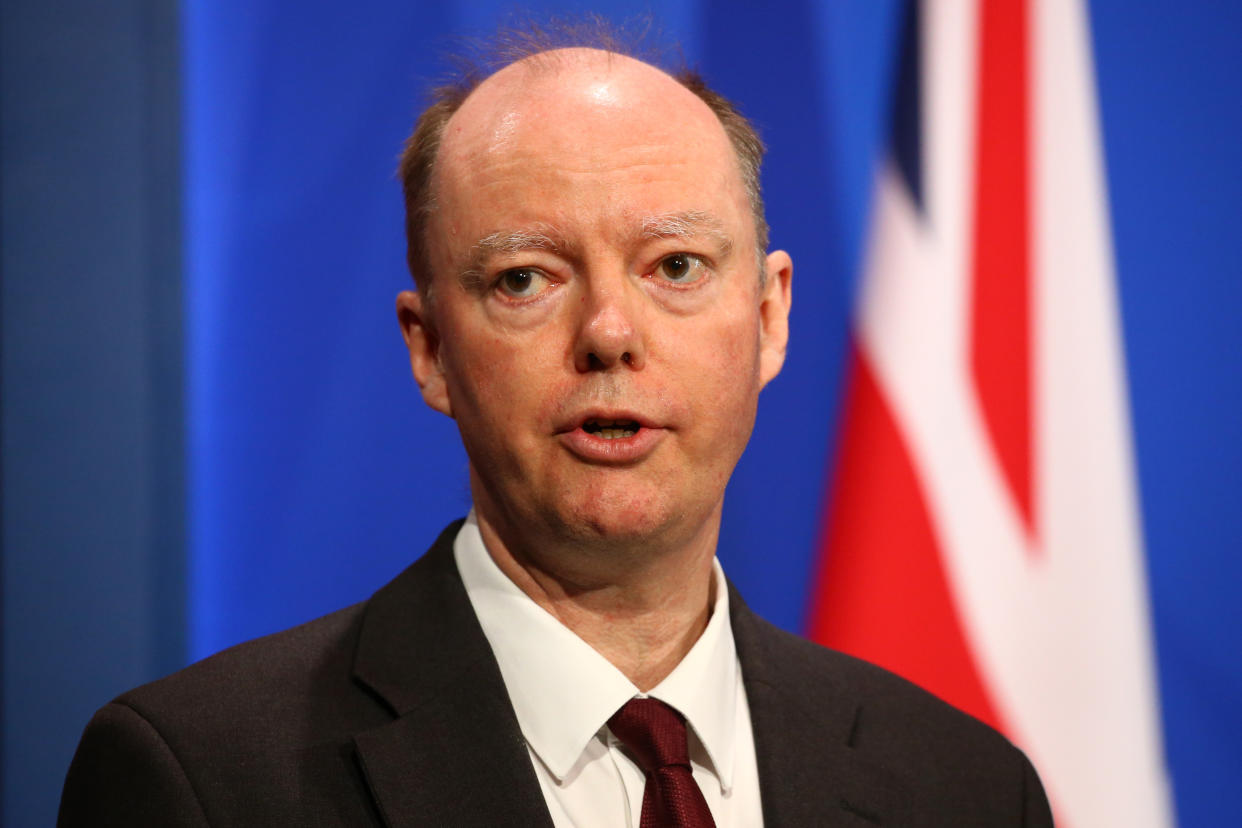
point(609, 329)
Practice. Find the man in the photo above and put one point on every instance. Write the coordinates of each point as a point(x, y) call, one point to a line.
point(595, 311)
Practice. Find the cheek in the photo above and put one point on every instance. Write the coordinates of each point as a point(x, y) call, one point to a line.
point(474, 372)
point(733, 347)
point(496, 378)
point(723, 376)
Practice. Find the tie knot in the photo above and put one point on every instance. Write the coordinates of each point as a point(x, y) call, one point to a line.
point(654, 732)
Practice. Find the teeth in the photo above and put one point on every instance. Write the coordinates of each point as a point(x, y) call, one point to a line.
point(611, 429)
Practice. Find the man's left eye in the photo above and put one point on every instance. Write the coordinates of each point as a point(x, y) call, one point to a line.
point(681, 269)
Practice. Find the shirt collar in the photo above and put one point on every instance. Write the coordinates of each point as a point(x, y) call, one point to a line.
point(704, 686)
point(563, 691)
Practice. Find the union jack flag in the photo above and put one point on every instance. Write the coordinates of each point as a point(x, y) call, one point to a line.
point(982, 532)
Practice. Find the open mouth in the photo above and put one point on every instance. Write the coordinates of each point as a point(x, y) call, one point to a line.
point(611, 429)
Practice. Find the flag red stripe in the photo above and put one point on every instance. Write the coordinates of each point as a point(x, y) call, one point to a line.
point(881, 591)
point(1000, 315)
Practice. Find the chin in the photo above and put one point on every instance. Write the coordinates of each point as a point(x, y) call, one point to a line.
point(625, 520)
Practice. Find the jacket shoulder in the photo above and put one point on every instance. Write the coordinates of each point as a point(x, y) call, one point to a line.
point(949, 767)
point(251, 682)
point(888, 704)
point(251, 735)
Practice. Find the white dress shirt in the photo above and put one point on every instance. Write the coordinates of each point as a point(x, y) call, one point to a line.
point(564, 692)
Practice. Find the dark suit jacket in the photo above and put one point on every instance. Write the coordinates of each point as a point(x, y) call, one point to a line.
point(394, 712)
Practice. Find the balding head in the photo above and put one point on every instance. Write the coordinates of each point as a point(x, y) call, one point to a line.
point(585, 101)
point(546, 71)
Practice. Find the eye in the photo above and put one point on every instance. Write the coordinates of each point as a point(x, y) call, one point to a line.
point(681, 269)
point(522, 282)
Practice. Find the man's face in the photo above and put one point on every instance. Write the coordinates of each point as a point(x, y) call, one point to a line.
point(597, 326)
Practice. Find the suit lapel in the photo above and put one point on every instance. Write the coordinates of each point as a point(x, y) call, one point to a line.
point(454, 754)
point(804, 725)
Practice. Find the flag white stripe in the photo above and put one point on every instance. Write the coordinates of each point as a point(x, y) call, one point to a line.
point(1099, 726)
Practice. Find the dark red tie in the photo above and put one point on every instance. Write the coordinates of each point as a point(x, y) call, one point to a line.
point(656, 737)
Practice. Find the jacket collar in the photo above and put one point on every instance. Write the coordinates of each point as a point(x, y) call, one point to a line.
point(806, 721)
point(422, 653)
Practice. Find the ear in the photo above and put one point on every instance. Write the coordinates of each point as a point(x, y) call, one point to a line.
point(424, 345)
point(774, 315)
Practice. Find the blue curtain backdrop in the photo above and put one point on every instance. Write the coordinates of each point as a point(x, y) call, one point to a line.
point(314, 472)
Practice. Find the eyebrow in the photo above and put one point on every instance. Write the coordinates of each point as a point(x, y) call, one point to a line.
point(507, 242)
point(687, 224)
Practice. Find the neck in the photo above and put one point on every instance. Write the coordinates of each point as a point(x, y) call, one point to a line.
point(642, 608)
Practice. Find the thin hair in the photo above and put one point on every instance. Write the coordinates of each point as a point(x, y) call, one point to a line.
point(532, 40)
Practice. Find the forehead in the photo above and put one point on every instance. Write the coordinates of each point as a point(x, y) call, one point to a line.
point(574, 130)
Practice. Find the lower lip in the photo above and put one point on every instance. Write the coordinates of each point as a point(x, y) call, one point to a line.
point(617, 451)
